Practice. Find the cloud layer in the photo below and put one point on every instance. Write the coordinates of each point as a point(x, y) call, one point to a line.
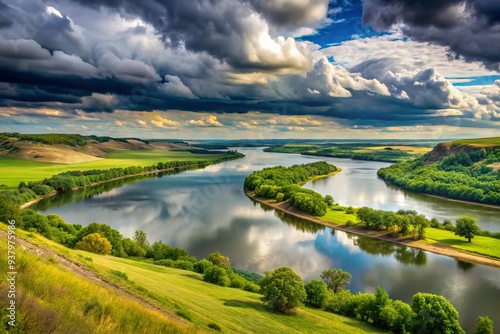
point(81, 60)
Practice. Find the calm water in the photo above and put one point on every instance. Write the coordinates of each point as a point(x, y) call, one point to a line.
point(206, 210)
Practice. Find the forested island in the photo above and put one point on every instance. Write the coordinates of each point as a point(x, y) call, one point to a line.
point(463, 170)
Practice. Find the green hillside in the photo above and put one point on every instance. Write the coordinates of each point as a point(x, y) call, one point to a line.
point(464, 170)
point(76, 304)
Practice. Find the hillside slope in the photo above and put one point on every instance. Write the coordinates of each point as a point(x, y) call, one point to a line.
point(104, 302)
point(463, 170)
point(71, 149)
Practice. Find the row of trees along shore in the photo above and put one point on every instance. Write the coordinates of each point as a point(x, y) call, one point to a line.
point(464, 176)
point(282, 289)
point(283, 184)
point(66, 181)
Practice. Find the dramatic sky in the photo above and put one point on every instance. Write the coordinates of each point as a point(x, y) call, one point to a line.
point(251, 68)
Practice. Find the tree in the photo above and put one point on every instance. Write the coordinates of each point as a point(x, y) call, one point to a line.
point(329, 200)
point(484, 326)
point(202, 265)
point(317, 293)
point(94, 243)
point(434, 314)
point(142, 239)
point(466, 227)
point(9, 210)
point(219, 260)
point(283, 289)
point(381, 300)
point(336, 279)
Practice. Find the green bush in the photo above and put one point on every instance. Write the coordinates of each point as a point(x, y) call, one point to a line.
point(166, 263)
point(317, 293)
point(181, 264)
point(252, 287)
point(214, 326)
point(237, 281)
point(216, 275)
point(202, 265)
point(283, 289)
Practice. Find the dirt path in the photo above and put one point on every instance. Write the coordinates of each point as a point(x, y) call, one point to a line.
point(87, 273)
point(437, 249)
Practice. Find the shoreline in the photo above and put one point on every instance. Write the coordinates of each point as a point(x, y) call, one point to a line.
point(55, 192)
point(436, 249)
point(486, 205)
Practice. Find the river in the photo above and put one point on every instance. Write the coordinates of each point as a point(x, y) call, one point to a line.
point(206, 210)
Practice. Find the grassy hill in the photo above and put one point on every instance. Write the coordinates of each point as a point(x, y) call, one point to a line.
point(36, 157)
point(54, 294)
point(464, 170)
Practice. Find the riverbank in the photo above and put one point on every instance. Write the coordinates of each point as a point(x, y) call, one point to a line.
point(53, 193)
point(493, 206)
point(437, 248)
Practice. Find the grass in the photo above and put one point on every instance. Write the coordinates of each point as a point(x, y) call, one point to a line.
point(234, 310)
point(492, 141)
point(409, 149)
point(480, 245)
point(338, 217)
point(52, 299)
point(14, 170)
point(208, 307)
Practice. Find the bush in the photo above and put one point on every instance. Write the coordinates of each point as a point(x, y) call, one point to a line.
point(283, 289)
point(214, 326)
point(216, 275)
point(183, 314)
point(94, 243)
point(166, 263)
point(349, 223)
point(317, 293)
point(252, 287)
point(343, 303)
point(237, 281)
point(202, 265)
point(350, 210)
point(186, 265)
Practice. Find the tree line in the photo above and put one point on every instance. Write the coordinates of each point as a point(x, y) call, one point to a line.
point(283, 184)
point(464, 176)
point(69, 180)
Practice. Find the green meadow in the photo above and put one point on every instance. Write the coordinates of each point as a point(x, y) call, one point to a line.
point(480, 245)
point(176, 291)
point(14, 170)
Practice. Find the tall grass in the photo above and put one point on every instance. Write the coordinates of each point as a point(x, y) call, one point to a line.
point(51, 299)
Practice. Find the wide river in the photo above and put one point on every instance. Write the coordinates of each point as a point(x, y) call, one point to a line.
point(206, 210)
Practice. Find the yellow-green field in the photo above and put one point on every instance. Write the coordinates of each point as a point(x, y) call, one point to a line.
point(480, 245)
point(483, 142)
point(14, 170)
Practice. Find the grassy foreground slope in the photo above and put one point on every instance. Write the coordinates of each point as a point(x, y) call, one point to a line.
point(13, 170)
point(54, 295)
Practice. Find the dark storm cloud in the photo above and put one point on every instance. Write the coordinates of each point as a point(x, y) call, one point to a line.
point(469, 28)
point(291, 13)
point(226, 29)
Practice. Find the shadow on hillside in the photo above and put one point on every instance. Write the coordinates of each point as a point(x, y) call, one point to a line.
point(244, 304)
point(193, 276)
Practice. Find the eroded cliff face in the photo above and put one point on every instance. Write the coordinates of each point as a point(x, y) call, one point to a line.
point(442, 150)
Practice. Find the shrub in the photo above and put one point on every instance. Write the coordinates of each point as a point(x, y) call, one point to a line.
point(350, 210)
point(252, 287)
point(343, 303)
point(41, 189)
point(181, 264)
point(183, 314)
point(202, 265)
point(317, 292)
point(237, 281)
point(166, 263)
point(349, 223)
point(94, 243)
point(216, 275)
point(214, 326)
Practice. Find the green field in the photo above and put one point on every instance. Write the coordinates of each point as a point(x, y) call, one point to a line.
point(479, 245)
point(14, 170)
point(174, 290)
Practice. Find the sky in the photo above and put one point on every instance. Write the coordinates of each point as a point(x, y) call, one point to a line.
point(246, 69)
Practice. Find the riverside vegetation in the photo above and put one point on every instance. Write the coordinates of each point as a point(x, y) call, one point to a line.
point(281, 186)
point(469, 173)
